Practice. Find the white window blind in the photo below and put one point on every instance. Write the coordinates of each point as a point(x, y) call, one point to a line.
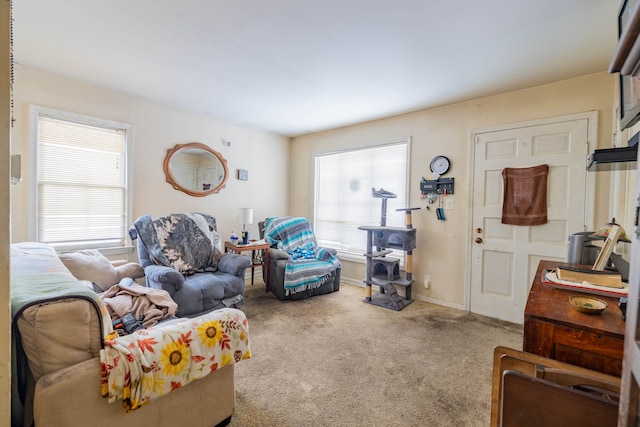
point(343, 193)
point(81, 183)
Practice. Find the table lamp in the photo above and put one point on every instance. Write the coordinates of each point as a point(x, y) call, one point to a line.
point(245, 216)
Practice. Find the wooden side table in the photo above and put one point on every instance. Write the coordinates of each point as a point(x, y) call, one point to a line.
point(257, 249)
point(552, 328)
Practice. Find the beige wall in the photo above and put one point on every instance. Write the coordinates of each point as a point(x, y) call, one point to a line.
point(5, 222)
point(442, 247)
point(156, 128)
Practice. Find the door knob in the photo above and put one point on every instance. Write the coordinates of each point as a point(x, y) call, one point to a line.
point(478, 239)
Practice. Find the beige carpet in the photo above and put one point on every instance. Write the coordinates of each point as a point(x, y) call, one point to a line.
point(334, 360)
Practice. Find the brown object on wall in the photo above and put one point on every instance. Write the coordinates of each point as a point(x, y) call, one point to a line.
point(525, 195)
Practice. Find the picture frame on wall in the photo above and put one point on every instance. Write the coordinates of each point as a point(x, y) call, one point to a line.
point(628, 21)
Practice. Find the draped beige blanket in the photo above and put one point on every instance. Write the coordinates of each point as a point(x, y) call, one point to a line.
point(153, 304)
point(525, 195)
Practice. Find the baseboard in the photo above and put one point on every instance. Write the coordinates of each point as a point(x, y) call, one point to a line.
point(354, 282)
point(441, 302)
point(431, 300)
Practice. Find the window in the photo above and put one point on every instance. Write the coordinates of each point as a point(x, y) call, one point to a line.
point(80, 180)
point(343, 193)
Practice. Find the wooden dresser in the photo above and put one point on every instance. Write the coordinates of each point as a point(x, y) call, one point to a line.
point(552, 328)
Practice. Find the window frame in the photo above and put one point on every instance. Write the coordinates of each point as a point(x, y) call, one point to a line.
point(355, 255)
point(34, 112)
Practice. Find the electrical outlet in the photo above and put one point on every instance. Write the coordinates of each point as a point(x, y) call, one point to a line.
point(449, 203)
point(427, 281)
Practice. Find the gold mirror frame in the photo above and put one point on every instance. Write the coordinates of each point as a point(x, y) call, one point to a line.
point(193, 147)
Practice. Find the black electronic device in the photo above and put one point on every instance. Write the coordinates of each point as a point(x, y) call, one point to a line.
point(437, 186)
point(127, 324)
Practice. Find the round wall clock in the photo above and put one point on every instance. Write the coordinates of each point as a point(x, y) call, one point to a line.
point(440, 165)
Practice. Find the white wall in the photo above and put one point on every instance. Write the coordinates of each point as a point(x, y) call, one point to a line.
point(442, 246)
point(156, 128)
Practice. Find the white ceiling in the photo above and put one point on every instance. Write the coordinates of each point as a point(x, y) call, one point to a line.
point(299, 66)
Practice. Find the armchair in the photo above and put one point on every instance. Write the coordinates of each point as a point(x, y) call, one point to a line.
point(277, 232)
point(181, 253)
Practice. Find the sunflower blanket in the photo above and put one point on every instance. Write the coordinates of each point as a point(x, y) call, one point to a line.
point(150, 363)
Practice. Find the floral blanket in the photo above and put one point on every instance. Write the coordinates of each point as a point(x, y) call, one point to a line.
point(188, 243)
point(308, 266)
point(149, 363)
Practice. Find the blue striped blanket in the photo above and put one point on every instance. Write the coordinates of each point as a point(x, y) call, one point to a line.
point(309, 266)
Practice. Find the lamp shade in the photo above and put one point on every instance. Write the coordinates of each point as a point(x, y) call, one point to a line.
point(606, 228)
point(245, 216)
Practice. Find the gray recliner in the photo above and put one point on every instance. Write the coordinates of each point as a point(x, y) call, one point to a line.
point(277, 262)
point(201, 292)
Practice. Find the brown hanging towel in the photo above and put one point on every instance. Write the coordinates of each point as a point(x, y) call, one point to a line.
point(525, 195)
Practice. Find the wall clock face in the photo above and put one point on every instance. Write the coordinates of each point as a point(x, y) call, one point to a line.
point(440, 165)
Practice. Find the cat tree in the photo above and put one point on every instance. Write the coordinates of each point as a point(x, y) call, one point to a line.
point(384, 271)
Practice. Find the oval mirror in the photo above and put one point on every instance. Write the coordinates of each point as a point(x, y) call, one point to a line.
point(195, 169)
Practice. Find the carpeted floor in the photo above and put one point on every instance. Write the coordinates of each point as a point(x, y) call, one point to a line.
point(333, 360)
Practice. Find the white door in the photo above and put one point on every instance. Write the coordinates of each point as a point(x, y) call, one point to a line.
point(208, 176)
point(504, 257)
point(185, 176)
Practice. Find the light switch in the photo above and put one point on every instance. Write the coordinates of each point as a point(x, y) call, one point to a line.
point(448, 204)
